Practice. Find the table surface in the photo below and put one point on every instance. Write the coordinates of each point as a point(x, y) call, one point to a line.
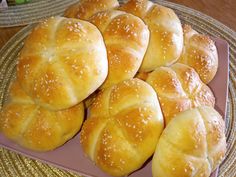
point(222, 10)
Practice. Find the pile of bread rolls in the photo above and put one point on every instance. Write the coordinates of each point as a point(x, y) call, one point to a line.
point(143, 78)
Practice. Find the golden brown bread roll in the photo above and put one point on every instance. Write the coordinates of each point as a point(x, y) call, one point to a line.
point(200, 53)
point(37, 128)
point(192, 145)
point(179, 88)
point(123, 127)
point(166, 34)
point(86, 8)
point(62, 62)
point(126, 38)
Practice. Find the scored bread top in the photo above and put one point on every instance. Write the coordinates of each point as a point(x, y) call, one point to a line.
point(62, 62)
point(126, 38)
point(200, 53)
point(86, 8)
point(179, 88)
point(123, 127)
point(166, 34)
point(34, 127)
point(192, 144)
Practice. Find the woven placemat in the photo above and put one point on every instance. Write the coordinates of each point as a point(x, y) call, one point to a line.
point(35, 11)
point(12, 164)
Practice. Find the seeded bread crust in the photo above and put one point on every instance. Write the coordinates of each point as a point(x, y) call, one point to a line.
point(126, 38)
point(192, 144)
point(120, 135)
point(200, 53)
point(179, 88)
point(37, 128)
point(62, 62)
point(86, 8)
point(166, 33)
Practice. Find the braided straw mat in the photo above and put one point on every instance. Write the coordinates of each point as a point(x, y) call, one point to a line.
point(12, 164)
point(36, 10)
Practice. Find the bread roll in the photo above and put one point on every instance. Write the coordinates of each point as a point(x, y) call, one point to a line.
point(179, 88)
point(166, 34)
point(123, 128)
point(62, 62)
point(86, 8)
point(192, 145)
point(200, 53)
point(126, 38)
point(37, 128)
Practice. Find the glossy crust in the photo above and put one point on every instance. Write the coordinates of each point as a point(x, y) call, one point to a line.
point(123, 127)
point(126, 38)
point(34, 127)
point(86, 8)
point(166, 34)
point(179, 88)
point(62, 62)
point(192, 145)
point(200, 53)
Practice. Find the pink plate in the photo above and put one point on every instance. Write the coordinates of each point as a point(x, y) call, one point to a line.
point(71, 157)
